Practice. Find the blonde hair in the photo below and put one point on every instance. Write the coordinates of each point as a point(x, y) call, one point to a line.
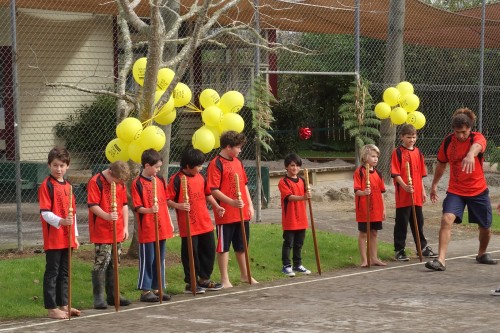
point(120, 170)
point(366, 150)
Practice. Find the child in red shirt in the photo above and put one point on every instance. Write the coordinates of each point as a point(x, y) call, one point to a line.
point(101, 228)
point(53, 197)
point(369, 155)
point(293, 215)
point(220, 175)
point(201, 227)
point(143, 199)
point(407, 152)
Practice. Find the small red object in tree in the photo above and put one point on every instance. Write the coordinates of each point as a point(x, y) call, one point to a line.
point(305, 133)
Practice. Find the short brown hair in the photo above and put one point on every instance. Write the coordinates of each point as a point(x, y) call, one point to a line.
point(59, 153)
point(232, 139)
point(407, 129)
point(463, 117)
point(120, 170)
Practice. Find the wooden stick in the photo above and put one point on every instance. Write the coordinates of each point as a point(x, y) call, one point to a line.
point(157, 243)
point(192, 271)
point(313, 228)
point(70, 242)
point(415, 224)
point(243, 231)
point(368, 229)
point(115, 250)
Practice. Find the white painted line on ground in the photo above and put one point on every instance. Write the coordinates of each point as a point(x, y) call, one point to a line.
point(363, 271)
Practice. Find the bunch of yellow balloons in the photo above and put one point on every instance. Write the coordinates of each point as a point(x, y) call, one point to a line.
point(400, 104)
point(219, 114)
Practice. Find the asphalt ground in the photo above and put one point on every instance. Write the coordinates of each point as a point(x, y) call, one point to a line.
point(401, 297)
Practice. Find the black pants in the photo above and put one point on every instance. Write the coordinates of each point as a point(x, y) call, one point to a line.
point(55, 279)
point(404, 216)
point(203, 255)
point(292, 239)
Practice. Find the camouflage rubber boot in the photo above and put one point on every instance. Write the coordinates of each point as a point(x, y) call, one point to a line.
point(98, 289)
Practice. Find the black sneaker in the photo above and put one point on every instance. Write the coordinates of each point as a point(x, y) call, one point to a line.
point(199, 290)
point(401, 256)
point(428, 253)
point(211, 285)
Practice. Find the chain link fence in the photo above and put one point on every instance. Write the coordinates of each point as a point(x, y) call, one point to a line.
point(52, 53)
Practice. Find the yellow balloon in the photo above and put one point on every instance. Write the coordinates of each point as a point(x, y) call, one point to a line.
point(405, 88)
point(166, 118)
point(139, 70)
point(167, 107)
point(382, 110)
point(117, 150)
point(232, 122)
point(129, 129)
point(182, 95)
point(416, 118)
point(231, 101)
point(209, 97)
point(212, 116)
point(203, 139)
point(152, 137)
point(398, 115)
point(410, 102)
point(216, 132)
point(165, 77)
point(135, 151)
point(391, 96)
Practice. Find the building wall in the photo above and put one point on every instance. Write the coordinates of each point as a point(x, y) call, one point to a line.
point(69, 48)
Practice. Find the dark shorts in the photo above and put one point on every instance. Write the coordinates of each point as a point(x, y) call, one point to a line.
point(373, 226)
point(228, 234)
point(478, 207)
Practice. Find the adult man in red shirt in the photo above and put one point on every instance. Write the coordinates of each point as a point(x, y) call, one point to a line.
point(463, 150)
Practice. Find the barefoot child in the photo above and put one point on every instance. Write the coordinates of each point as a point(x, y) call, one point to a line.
point(293, 215)
point(369, 155)
point(53, 196)
point(201, 227)
point(220, 176)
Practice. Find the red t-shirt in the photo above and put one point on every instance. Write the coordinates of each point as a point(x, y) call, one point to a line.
point(462, 183)
point(376, 200)
point(293, 213)
point(142, 196)
point(220, 176)
point(399, 157)
point(199, 217)
point(99, 194)
point(53, 196)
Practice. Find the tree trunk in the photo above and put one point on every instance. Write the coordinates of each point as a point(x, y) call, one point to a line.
point(393, 73)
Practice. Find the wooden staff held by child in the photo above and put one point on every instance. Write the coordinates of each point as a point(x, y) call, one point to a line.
point(192, 271)
point(415, 224)
point(313, 228)
point(115, 250)
point(70, 242)
point(157, 243)
point(368, 231)
point(243, 232)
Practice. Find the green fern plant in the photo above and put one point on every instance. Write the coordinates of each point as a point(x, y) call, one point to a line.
point(358, 116)
point(259, 101)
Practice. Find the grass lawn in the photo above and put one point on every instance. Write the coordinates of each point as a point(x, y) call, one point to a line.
point(21, 279)
point(495, 226)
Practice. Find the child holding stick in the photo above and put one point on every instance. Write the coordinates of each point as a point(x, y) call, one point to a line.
point(407, 152)
point(293, 215)
point(374, 214)
point(144, 206)
point(101, 219)
point(221, 174)
point(201, 227)
point(53, 198)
